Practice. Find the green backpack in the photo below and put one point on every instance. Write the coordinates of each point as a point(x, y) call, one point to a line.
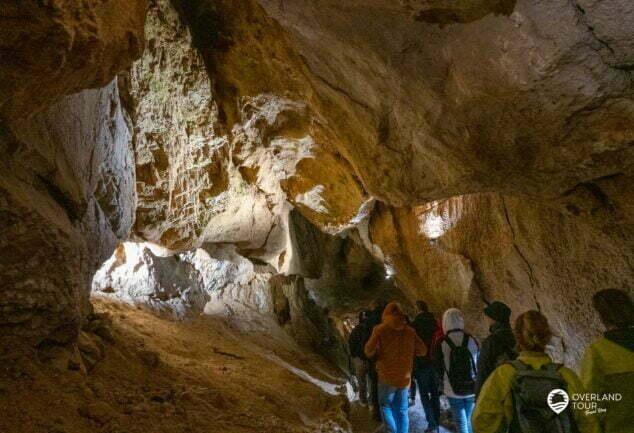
point(531, 410)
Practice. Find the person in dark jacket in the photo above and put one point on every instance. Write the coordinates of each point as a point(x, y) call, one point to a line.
point(424, 375)
point(373, 320)
point(360, 364)
point(499, 346)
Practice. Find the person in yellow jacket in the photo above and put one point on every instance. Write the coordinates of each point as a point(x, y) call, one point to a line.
point(495, 410)
point(608, 364)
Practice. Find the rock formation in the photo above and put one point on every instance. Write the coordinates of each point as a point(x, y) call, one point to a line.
point(53, 48)
point(282, 157)
point(532, 98)
point(66, 177)
point(550, 256)
point(67, 185)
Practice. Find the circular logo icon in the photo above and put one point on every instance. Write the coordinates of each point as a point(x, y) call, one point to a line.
point(558, 400)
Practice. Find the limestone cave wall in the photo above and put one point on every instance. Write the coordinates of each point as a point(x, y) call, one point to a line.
point(67, 183)
point(66, 176)
point(531, 254)
point(302, 150)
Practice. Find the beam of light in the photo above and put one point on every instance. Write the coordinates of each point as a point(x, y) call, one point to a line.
point(389, 271)
point(437, 217)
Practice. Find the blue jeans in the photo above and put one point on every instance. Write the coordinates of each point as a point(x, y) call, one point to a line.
point(394, 407)
point(461, 408)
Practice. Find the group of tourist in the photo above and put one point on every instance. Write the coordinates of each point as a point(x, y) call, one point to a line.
point(507, 384)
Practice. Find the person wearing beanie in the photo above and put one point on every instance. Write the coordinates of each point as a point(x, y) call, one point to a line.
point(499, 346)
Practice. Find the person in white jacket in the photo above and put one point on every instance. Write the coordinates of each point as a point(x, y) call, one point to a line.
point(461, 366)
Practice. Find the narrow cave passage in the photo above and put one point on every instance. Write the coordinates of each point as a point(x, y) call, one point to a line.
point(248, 318)
point(198, 199)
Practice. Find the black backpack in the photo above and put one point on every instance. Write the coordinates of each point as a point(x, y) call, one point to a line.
point(462, 367)
point(531, 390)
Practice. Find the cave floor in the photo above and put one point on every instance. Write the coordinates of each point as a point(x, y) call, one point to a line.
point(362, 422)
point(210, 378)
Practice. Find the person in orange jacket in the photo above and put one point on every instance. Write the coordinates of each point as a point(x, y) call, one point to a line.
point(393, 345)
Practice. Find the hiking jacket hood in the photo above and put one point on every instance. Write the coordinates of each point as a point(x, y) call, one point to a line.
point(393, 317)
point(392, 346)
point(608, 367)
point(452, 319)
point(494, 407)
point(623, 337)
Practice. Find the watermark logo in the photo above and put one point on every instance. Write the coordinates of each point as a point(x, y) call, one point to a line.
point(558, 400)
point(593, 403)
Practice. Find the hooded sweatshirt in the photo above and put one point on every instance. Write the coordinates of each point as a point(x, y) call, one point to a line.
point(453, 320)
point(393, 345)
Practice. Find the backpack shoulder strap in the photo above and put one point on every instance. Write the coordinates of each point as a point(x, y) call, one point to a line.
point(465, 339)
point(519, 365)
point(449, 341)
point(465, 344)
point(552, 366)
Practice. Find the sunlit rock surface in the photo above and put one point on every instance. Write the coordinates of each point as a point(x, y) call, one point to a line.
point(146, 275)
point(203, 180)
point(67, 197)
point(334, 275)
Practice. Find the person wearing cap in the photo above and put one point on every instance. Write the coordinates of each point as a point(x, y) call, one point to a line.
point(499, 346)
